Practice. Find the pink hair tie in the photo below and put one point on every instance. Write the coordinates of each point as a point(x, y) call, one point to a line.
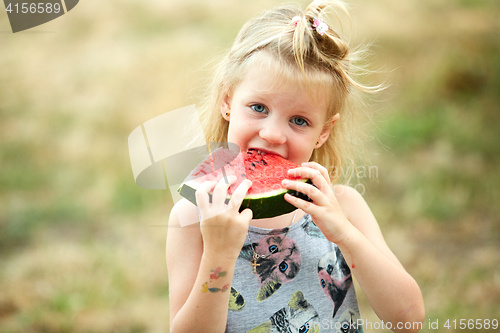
point(321, 27)
point(296, 20)
point(318, 24)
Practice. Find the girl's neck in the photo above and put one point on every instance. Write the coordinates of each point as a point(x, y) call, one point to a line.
point(278, 222)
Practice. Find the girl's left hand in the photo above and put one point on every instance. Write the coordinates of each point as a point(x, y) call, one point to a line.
point(324, 208)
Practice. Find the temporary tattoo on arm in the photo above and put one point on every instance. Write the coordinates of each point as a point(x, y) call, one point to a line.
point(204, 288)
point(216, 273)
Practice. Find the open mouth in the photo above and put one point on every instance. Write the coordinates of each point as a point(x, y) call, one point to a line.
point(263, 151)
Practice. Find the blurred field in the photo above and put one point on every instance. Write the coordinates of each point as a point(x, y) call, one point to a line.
point(82, 247)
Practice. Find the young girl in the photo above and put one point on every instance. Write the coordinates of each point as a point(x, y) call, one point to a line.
point(284, 88)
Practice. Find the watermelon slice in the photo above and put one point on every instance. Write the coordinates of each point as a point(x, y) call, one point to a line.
point(266, 171)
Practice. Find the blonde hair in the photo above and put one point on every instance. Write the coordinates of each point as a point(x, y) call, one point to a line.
point(304, 57)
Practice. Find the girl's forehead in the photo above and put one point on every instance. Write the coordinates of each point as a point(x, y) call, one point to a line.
point(267, 75)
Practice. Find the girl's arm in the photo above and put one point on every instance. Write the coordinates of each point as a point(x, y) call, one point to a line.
point(345, 219)
point(201, 258)
point(191, 309)
point(392, 292)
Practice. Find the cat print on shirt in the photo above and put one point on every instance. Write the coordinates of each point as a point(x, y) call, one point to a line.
point(348, 320)
point(236, 300)
point(281, 264)
point(334, 277)
point(298, 317)
point(312, 229)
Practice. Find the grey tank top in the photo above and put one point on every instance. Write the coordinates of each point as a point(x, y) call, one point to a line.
point(302, 285)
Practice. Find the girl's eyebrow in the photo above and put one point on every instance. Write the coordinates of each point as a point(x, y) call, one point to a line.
point(309, 114)
point(260, 93)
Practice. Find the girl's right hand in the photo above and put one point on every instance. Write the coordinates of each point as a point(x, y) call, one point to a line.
point(222, 227)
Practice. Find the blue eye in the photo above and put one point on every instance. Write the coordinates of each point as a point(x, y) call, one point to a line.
point(283, 266)
point(273, 248)
point(259, 108)
point(323, 283)
point(329, 269)
point(300, 121)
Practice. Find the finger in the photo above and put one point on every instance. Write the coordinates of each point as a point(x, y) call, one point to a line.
point(201, 194)
point(312, 192)
point(246, 215)
point(239, 193)
point(220, 191)
point(308, 207)
point(319, 167)
point(314, 175)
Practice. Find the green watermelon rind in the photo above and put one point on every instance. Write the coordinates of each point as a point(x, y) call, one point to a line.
point(263, 205)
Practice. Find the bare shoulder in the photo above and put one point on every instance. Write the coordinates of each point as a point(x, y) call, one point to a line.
point(360, 215)
point(352, 203)
point(183, 213)
point(183, 232)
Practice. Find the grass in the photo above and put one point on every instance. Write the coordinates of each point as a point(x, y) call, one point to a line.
point(82, 247)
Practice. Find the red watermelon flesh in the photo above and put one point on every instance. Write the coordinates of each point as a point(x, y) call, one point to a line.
point(266, 171)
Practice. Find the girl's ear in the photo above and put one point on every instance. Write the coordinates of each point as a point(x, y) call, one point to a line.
point(325, 133)
point(225, 108)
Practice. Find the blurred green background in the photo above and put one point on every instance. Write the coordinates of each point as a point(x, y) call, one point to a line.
point(82, 247)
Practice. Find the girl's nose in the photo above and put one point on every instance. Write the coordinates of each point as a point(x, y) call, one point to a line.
point(273, 134)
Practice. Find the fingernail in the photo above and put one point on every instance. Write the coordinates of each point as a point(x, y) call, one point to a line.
point(305, 164)
point(284, 182)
